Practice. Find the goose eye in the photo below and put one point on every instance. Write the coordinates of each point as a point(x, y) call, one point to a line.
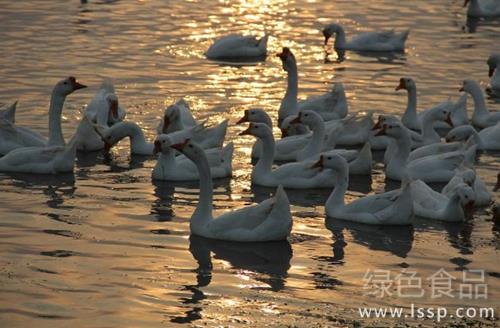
point(306, 115)
point(190, 146)
point(65, 83)
point(329, 157)
point(163, 141)
point(256, 127)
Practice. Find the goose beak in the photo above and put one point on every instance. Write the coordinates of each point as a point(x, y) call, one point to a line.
point(166, 123)
point(247, 131)
point(180, 146)
point(377, 125)
point(113, 106)
point(157, 147)
point(318, 164)
point(490, 72)
point(284, 133)
point(244, 119)
point(298, 119)
point(381, 132)
point(448, 120)
point(469, 208)
point(461, 88)
point(401, 85)
point(75, 84)
point(327, 37)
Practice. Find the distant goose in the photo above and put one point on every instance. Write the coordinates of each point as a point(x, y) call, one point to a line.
point(233, 47)
point(482, 8)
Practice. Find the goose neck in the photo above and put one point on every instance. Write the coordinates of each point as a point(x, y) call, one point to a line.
point(56, 137)
point(336, 199)
point(316, 143)
point(411, 107)
point(479, 102)
point(203, 212)
point(340, 39)
point(289, 104)
point(265, 162)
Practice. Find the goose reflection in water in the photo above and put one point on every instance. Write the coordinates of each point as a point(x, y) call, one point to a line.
point(270, 261)
point(187, 192)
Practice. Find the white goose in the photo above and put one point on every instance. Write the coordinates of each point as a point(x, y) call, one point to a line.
point(267, 221)
point(178, 117)
point(470, 178)
point(394, 207)
point(414, 120)
point(486, 139)
point(297, 175)
point(494, 72)
point(330, 106)
point(14, 137)
point(369, 41)
point(179, 168)
point(438, 168)
point(9, 113)
point(430, 204)
point(233, 47)
point(482, 8)
point(104, 108)
point(481, 117)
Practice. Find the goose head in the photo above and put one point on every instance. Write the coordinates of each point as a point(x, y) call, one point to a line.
point(497, 186)
point(393, 130)
point(384, 119)
point(112, 101)
point(467, 198)
point(441, 113)
point(259, 130)
point(171, 114)
point(287, 59)
point(460, 133)
point(67, 86)
point(329, 30)
point(256, 115)
point(309, 118)
point(493, 62)
point(469, 177)
point(190, 149)
point(161, 143)
point(334, 162)
point(406, 83)
point(287, 127)
point(469, 86)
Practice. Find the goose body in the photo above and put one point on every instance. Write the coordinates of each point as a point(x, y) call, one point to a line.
point(380, 41)
point(14, 137)
point(267, 221)
point(494, 72)
point(437, 168)
point(179, 168)
point(329, 106)
point(394, 207)
point(481, 117)
point(232, 47)
point(482, 8)
point(413, 120)
point(469, 177)
point(486, 139)
point(430, 204)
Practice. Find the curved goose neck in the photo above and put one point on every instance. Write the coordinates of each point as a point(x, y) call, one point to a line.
point(315, 145)
point(203, 212)
point(138, 143)
point(453, 208)
point(478, 97)
point(265, 162)
point(428, 131)
point(336, 199)
point(56, 137)
point(411, 107)
point(340, 39)
point(403, 148)
point(289, 104)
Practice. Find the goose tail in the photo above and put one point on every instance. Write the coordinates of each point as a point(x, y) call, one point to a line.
point(9, 113)
point(227, 156)
point(263, 42)
point(362, 165)
point(218, 133)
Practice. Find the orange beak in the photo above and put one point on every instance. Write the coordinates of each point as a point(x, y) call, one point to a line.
point(318, 164)
point(244, 119)
point(377, 125)
point(401, 85)
point(284, 133)
point(113, 106)
point(166, 123)
point(381, 132)
point(75, 84)
point(157, 147)
point(298, 119)
point(247, 131)
point(448, 120)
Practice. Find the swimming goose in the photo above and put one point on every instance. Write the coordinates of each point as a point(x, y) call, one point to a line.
point(413, 120)
point(233, 47)
point(486, 139)
point(369, 41)
point(470, 178)
point(494, 72)
point(14, 137)
point(104, 108)
point(9, 113)
point(481, 117)
point(178, 117)
point(179, 168)
point(395, 207)
point(437, 168)
point(430, 204)
point(330, 106)
point(267, 221)
point(482, 8)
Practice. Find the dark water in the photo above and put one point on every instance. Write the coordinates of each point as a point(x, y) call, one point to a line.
point(108, 244)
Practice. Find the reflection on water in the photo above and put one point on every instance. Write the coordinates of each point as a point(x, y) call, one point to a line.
point(107, 243)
